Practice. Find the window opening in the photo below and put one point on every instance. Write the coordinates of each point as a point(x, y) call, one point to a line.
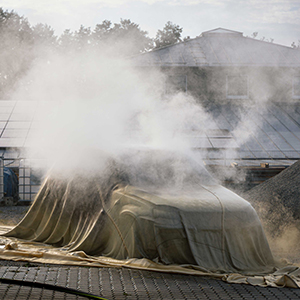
point(237, 86)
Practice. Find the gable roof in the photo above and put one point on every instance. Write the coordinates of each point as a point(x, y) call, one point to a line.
point(221, 47)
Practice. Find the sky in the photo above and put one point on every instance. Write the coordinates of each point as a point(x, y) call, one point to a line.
point(272, 19)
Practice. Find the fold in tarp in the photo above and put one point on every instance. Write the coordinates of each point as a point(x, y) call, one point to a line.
point(207, 231)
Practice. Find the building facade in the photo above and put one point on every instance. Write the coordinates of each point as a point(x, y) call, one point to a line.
point(250, 87)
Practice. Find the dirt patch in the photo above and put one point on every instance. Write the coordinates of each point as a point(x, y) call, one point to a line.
point(12, 215)
point(277, 202)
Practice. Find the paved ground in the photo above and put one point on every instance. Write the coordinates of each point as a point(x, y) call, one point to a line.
point(123, 283)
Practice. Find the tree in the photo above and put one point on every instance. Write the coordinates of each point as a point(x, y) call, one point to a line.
point(14, 27)
point(83, 37)
point(125, 37)
point(102, 31)
point(16, 49)
point(66, 40)
point(43, 35)
point(130, 33)
point(171, 34)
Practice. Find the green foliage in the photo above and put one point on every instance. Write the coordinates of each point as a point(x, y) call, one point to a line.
point(21, 44)
point(130, 34)
point(66, 40)
point(15, 49)
point(44, 34)
point(126, 38)
point(14, 28)
point(102, 31)
point(171, 34)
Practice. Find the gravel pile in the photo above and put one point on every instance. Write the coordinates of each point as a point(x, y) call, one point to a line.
point(277, 200)
point(12, 215)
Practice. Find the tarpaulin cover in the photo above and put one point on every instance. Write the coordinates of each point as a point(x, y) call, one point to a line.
point(207, 231)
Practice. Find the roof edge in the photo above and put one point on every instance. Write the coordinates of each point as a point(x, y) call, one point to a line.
point(221, 31)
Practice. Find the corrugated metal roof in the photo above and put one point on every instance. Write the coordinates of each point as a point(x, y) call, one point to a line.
point(17, 122)
point(272, 133)
point(221, 47)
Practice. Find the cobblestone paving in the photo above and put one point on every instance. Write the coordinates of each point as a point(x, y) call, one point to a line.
point(123, 283)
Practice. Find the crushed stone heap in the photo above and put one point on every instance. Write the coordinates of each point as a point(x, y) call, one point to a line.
point(277, 200)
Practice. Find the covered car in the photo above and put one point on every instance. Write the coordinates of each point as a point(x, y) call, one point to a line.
point(162, 207)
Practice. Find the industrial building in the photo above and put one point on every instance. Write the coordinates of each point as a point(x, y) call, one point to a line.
point(251, 88)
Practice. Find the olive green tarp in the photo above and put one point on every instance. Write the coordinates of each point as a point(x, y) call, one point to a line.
point(206, 231)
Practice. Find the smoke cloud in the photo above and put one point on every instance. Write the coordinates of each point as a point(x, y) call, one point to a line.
point(93, 106)
point(93, 103)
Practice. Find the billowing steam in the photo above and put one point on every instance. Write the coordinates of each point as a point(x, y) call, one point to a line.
point(93, 106)
point(93, 103)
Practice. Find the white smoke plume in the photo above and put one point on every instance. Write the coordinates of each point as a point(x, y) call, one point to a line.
point(91, 106)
